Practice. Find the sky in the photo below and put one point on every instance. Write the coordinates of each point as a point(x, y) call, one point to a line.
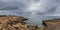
point(34, 10)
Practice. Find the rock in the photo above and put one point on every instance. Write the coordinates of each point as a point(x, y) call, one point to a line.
point(32, 27)
point(5, 19)
point(12, 22)
point(19, 25)
point(53, 24)
point(40, 28)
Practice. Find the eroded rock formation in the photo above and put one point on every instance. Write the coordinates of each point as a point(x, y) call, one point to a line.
point(53, 24)
point(15, 23)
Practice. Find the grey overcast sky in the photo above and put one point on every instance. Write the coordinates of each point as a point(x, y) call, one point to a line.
point(34, 10)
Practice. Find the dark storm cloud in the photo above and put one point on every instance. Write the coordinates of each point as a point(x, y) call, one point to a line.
point(18, 3)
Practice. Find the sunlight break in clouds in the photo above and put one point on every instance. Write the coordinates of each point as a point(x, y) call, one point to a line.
point(43, 7)
point(33, 7)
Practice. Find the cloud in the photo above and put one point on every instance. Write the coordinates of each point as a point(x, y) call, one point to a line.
point(7, 13)
point(45, 7)
point(5, 0)
point(34, 7)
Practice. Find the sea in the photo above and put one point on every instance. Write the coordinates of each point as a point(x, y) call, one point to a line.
point(32, 19)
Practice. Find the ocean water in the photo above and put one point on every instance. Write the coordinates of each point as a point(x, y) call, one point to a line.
point(37, 19)
point(33, 19)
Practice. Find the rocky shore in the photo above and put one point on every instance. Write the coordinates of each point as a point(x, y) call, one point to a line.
point(53, 24)
point(12, 22)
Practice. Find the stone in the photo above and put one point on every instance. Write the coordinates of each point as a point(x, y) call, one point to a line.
point(12, 22)
point(53, 24)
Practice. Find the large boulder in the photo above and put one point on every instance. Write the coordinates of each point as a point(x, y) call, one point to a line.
point(12, 22)
point(53, 24)
point(11, 18)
